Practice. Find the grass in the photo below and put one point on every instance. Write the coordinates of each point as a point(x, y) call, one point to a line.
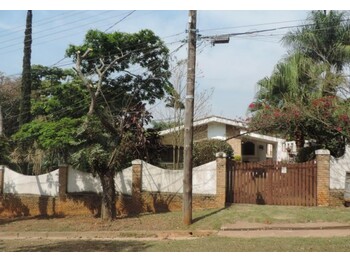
point(211, 219)
point(207, 244)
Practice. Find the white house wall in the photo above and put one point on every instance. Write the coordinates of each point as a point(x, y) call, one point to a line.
point(217, 131)
point(339, 168)
point(43, 185)
point(155, 179)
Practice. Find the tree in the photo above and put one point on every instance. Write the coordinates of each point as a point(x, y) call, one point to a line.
point(58, 104)
point(286, 102)
point(24, 116)
point(173, 112)
point(326, 40)
point(205, 151)
point(120, 72)
point(9, 101)
point(281, 97)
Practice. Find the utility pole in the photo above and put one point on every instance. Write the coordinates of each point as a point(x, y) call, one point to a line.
point(189, 106)
point(1, 122)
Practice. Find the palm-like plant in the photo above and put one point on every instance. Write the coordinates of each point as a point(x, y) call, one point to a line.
point(326, 38)
point(292, 85)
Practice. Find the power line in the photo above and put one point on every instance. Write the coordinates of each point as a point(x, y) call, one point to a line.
point(120, 20)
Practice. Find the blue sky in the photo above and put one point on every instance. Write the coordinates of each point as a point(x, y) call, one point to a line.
point(232, 69)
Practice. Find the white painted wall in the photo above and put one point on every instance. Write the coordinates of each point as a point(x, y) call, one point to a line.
point(155, 179)
point(43, 185)
point(339, 168)
point(216, 131)
point(79, 181)
point(123, 181)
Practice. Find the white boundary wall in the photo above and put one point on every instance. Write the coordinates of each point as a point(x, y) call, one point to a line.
point(155, 179)
point(85, 182)
point(339, 168)
point(43, 185)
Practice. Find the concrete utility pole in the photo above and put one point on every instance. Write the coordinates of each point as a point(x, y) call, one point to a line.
point(1, 122)
point(189, 105)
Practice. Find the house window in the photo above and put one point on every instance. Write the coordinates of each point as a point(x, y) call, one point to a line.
point(248, 148)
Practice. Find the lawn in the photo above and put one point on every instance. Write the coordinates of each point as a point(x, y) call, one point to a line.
point(211, 219)
point(206, 220)
point(205, 244)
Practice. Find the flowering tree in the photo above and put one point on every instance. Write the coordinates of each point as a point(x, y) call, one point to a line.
point(307, 93)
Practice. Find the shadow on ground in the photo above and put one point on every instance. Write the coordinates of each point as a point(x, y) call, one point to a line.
point(4, 221)
point(208, 215)
point(81, 246)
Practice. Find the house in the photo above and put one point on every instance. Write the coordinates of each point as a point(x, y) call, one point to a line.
point(251, 147)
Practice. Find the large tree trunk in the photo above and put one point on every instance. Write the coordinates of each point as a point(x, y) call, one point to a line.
point(108, 209)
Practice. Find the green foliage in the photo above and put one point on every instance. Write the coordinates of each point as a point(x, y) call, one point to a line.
point(237, 158)
point(49, 135)
point(5, 148)
point(164, 125)
point(204, 151)
point(9, 101)
point(142, 49)
point(57, 93)
point(304, 97)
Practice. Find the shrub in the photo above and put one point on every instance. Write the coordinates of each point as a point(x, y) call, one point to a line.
point(204, 151)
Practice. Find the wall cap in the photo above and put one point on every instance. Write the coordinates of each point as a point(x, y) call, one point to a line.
point(138, 161)
point(322, 152)
point(220, 155)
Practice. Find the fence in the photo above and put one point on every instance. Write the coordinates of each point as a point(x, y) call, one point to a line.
point(146, 188)
point(140, 188)
point(275, 183)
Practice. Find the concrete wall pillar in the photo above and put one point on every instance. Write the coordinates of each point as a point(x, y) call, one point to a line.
point(63, 181)
point(323, 177)
point(2, 178)
point(221, 178)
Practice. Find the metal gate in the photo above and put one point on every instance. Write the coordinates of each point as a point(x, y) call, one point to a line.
point(274, 183)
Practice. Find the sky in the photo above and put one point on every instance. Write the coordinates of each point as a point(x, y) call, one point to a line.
point(231, 70)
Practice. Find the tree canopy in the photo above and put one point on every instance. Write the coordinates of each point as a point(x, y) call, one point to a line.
point(306, 96)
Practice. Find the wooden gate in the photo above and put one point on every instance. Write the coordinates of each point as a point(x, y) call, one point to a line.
point(275, 183)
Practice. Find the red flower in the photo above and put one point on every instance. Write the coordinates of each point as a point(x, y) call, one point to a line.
point(252, 105)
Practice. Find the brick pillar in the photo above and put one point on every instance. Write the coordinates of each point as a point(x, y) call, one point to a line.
point(221, 174)
point(2, 177)
point(137, 185)
point(323, 177)
point(63, 181)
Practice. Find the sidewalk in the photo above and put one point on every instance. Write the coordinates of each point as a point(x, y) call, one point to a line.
point(253, 230)
point(109, 235)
